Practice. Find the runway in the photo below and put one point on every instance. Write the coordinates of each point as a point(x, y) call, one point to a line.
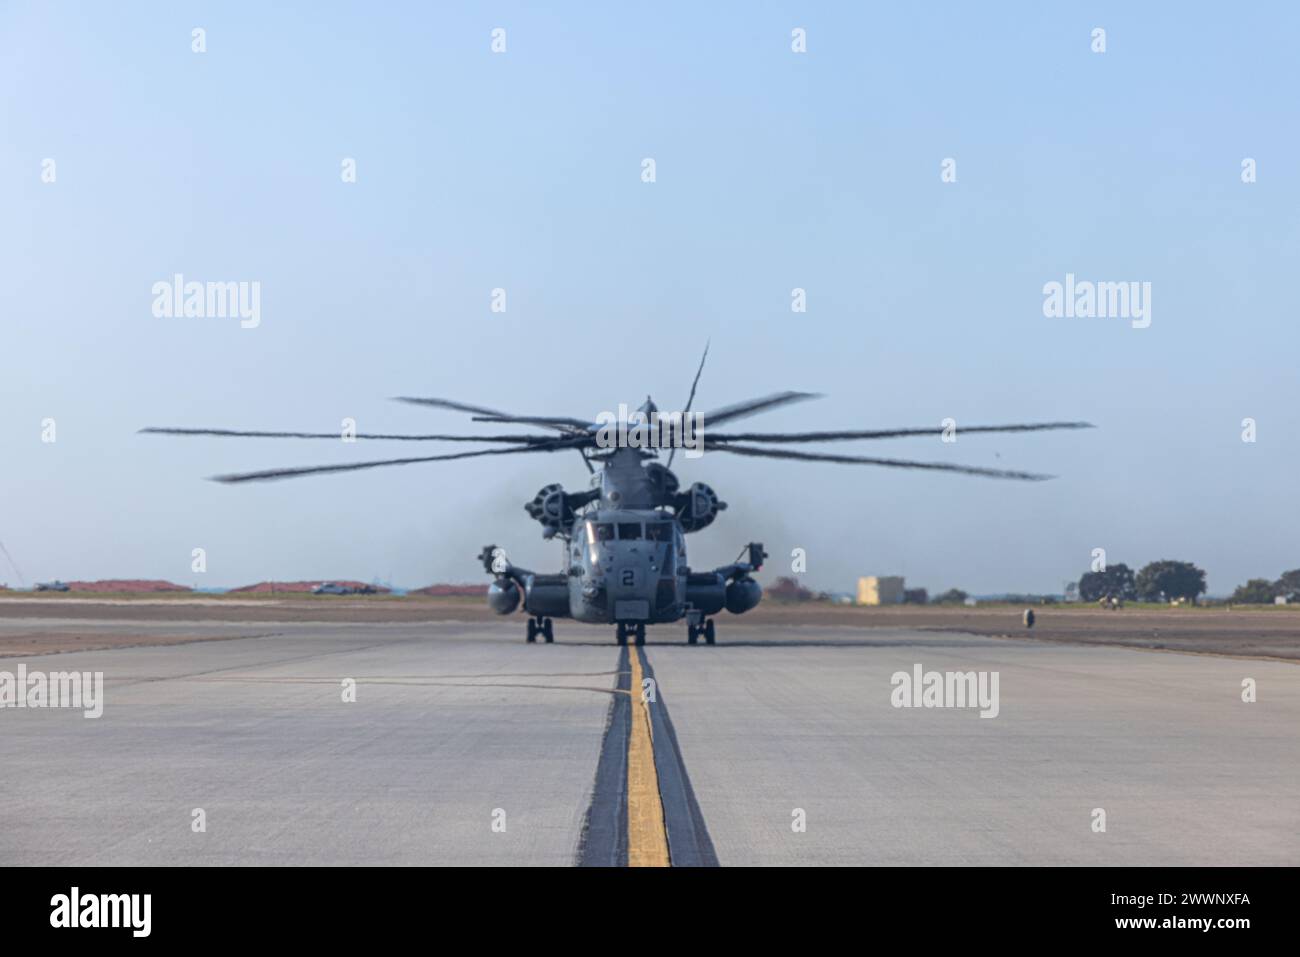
point(466, 746)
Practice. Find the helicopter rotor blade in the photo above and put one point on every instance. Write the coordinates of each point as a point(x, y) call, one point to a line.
point(561, 422)
point(889, 463)
point(483, 414)
point(742, 410)
point(890, 433)
point(384, 436)
point(269, 475)
point(690, 398)
point(447, 404)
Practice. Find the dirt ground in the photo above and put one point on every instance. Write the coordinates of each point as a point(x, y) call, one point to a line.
point(49, 623)
point(1253, 632)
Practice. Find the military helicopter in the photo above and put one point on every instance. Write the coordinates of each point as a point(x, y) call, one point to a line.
point(625, 536)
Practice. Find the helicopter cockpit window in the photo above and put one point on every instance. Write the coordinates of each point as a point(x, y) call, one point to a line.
point(659, 531)
point(604, 531)
point(629, 530)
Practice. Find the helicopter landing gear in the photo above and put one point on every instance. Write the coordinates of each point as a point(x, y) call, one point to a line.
point(541, 626)
point(636, 632)
point(693, 632)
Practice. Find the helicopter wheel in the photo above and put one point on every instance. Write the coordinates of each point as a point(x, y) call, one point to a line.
point(692, 635)
point(548, 630)
point(640, 634)
point(532, 630)
point(708, 632)
point(622, 633)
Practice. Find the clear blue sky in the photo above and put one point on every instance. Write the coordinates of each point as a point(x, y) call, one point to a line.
point(774, 170)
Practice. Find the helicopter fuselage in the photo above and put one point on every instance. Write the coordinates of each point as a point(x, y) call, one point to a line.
point(626, 566)
point(622, 565)
point(624, 554)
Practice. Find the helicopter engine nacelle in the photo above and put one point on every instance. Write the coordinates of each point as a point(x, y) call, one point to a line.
point(503, 596)
point(743, 594)
point(553, 508)
point(697, 507)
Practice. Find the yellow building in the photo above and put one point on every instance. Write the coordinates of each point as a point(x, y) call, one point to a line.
point(880, 591)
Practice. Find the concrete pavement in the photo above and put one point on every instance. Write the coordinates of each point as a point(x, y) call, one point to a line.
point(466, 746)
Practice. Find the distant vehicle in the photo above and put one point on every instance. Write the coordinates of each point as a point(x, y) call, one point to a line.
point(52, 586)
point(330, 588)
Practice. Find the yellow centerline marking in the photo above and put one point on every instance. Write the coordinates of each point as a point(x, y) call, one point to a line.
point(647, 840)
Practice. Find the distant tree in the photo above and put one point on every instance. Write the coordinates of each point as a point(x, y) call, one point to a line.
point(915, 596)
point(788, 589)
point(1257, 591)
point(1288, 585)
point(1116, 581)
point(1167, 580)
point(953, 596)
